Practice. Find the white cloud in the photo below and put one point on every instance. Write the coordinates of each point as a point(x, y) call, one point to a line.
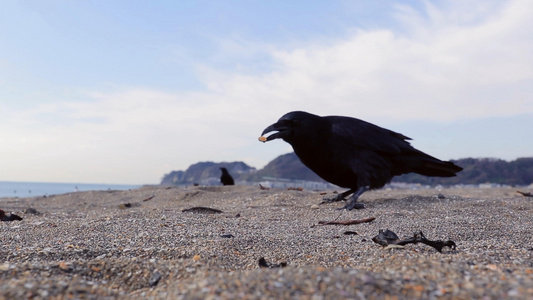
point(440, 69)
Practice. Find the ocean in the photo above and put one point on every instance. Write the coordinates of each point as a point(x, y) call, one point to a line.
point(34, 189)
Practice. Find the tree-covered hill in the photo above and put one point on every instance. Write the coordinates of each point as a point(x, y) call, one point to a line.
point(288, 166)
point(482, 170)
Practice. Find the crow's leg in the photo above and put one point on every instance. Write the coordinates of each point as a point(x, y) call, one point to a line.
point(339, 197)
point(353, 199)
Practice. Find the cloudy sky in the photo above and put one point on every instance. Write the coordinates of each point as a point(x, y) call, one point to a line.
point(126, 91)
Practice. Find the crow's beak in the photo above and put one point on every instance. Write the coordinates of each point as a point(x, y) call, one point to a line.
point(283, 128)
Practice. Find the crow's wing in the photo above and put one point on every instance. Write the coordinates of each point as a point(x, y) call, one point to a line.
point(386, 148)
point(362, 135)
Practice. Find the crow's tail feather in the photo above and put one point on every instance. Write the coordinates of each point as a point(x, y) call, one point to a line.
point(438, 168)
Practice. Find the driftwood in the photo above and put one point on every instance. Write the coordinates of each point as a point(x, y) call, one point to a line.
point(349, 222)
point(129, 205)
point(149, 198)
point(525, 194)
point(386, 238)
point(350, 233)
point(264, 264)
point(202, 210)
point(295, 189)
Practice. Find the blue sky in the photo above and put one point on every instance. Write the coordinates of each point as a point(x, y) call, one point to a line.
point(126, 91)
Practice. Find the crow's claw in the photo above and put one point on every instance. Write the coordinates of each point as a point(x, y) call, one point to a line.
point(338, 198)
point(350, 206)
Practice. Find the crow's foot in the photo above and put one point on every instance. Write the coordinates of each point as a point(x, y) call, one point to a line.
point(353, 199)
point(338, 198)
point(353, 204)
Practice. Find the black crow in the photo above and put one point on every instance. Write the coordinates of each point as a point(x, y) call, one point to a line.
point(226, 178)
point(352, 153)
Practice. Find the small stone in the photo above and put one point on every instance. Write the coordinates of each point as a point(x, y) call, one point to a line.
point(4, 267)
point(154, 280)
point(64, 266)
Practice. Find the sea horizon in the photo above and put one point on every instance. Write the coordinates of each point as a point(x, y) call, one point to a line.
point(26, 189)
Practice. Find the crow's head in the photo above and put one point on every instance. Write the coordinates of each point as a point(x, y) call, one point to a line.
point(288, 126)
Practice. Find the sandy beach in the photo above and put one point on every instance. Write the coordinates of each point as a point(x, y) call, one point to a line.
point(140, 244)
